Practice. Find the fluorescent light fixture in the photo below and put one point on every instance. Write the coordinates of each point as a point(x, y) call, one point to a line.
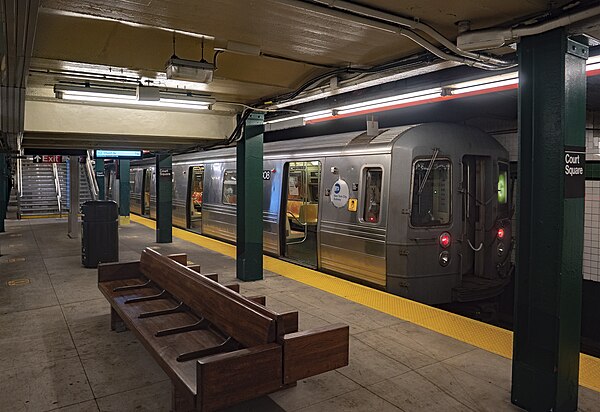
point(312, 115)
point(485, 86)
point(485, 80)
point(129, 97)
point(190, 70)
point(390, 101)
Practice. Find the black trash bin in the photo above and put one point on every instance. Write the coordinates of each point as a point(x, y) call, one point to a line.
point(100, 233)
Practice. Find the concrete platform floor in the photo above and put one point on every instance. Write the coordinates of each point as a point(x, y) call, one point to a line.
point(57, 351)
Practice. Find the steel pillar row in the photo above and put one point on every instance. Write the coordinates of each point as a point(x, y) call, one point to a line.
point(249, 250)
point(164, 198)
point(124, 191)
point(552, 98)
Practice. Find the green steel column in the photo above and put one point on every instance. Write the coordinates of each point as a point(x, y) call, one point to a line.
point(250, 200)
point(99, 171)
point(124, 190)
point(164, 198)
point(552, 95)
point(4, 189)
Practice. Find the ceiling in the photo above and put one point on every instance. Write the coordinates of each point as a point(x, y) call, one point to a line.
point(129, 41)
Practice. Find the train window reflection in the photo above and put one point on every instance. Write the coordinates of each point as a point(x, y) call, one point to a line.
point(372, 199)
point(230, 187)
point(431, 193)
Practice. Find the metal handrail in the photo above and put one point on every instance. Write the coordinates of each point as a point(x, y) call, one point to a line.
point(57, 188)
point(91, 177)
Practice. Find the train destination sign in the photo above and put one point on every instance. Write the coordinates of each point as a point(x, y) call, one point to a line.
point(339, 193)
point(118, 154)
point(574, 162)
point(47, 159)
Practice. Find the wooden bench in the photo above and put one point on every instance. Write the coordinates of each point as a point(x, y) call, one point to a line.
point(218, 347)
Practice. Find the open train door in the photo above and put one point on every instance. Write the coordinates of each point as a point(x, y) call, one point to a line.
point(300, 211)
point(195, 195)
point(146, 183)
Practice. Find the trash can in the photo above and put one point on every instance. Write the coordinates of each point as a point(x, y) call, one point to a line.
point(100, 233)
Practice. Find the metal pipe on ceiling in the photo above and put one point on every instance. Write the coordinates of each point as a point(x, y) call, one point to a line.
point(397, 25)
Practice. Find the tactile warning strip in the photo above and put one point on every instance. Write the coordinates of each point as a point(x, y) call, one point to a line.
point(481, 335)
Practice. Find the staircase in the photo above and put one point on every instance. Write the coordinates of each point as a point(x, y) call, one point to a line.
point(39, 197)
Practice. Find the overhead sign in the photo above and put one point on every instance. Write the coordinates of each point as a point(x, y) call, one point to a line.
point(339, 193)
point(47, 159)
point(118, 154)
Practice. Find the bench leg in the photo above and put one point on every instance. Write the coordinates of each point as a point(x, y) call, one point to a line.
point(116, 323)
point(182, 400)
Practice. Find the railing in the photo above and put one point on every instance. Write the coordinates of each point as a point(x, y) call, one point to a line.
point(57, 188)
point(91, 177)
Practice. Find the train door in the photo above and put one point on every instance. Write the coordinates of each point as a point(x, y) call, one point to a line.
point(301, 207)
point(147, 182)
point(477, 204)
point(195, 192)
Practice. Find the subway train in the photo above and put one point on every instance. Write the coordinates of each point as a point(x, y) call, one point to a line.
point(420, 211)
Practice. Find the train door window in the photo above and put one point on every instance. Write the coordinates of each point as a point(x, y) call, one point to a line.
point(196, 194)
point(372, 194)
point(503, 190)
point(147, 183)
point(302, 182)
point(230, 187)
point(431, 193)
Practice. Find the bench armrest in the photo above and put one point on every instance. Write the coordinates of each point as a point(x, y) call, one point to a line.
point(229, 378)
point(314, 351)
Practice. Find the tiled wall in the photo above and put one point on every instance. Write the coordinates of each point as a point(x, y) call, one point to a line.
point(505, 134)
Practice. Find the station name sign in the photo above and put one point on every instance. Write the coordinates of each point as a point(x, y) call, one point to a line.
point(574, 162)
point(118, 154)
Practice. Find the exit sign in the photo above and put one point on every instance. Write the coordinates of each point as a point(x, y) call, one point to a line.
point(47, 159)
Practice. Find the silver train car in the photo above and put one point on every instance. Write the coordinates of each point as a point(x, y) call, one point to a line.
point(421, 211)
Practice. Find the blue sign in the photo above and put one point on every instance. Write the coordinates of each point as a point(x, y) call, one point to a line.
point(336, 188)
point(118, 154)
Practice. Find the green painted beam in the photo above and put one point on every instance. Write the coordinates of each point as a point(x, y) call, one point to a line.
point(164, 198)
point(552, 93)
point(4, 189)
point(249, 264)
point(124, 191)
point(99, 172)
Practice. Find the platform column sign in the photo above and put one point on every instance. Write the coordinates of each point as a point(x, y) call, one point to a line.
point(250, 175)
point(124, 191)
point(552, 98)
point(164, 198)
point(99, 173)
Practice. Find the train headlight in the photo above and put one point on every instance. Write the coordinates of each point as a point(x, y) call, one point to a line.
point(444, 258)
point(500, 249)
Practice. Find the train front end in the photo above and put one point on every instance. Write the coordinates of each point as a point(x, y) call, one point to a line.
point(450, 229)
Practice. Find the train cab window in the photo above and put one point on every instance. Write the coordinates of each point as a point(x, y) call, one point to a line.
point(230, 187)
point(372, 198)
point(431, 193)
point(502, 190)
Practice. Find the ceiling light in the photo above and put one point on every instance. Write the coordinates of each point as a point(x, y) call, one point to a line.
point(391, 100)
point(124, 96)
point(484, 86)
point(190, 70)
point(312, 115)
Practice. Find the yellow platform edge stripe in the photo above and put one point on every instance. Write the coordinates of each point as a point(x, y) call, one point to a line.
point(487, 337)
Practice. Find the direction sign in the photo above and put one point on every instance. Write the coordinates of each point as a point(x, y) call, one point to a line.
point(47, 159)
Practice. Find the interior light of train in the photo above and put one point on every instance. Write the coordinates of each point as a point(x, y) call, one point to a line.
point(445, 240)
point(500, 233)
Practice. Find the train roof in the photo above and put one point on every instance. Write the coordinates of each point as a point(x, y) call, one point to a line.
point(358, 142)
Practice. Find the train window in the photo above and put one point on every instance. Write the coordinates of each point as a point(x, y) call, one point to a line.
point(431, 193)
point(372, 198)
point(502, 189)
point(230, 187)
